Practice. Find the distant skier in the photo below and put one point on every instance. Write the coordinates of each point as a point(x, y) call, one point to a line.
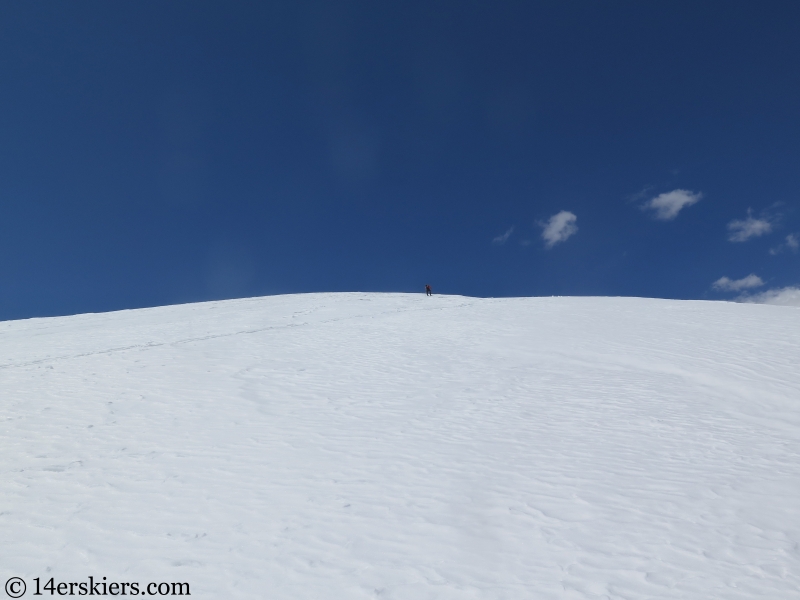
point(428, 290)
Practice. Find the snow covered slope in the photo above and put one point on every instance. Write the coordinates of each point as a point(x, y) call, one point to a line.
point(395, 446)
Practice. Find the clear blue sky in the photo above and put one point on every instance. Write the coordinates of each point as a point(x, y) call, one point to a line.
point(164, 152)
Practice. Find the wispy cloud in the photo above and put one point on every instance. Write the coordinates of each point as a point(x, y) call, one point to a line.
point(725, 284)
point(559, 228)
point(741, 230)
point(791, 243)
point(503, 238)
point(641, 194)
point(667, 205)
point(788, 296)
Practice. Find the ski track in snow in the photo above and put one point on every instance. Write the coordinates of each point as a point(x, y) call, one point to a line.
point(395, 446)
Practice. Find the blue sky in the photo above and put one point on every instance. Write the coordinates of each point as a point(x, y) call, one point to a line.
point(164, 152)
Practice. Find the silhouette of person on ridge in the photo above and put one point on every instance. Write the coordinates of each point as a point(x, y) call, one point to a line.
point(428, 290)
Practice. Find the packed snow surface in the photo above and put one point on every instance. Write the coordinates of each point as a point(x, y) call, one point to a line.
point(395, 446)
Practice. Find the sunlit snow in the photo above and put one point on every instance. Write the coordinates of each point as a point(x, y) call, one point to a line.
point(395, 446)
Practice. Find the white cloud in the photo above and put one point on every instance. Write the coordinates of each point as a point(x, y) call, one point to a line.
point(725, 284)
point(744, 229)
point(669, 204)
point(792, 243)
point(559, 228)
point(788, 296)
point(502, 239)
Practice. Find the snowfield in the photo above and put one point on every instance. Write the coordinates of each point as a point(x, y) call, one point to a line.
point(393, 446)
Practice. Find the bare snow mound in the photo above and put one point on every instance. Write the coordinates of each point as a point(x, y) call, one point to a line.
point(395, 446)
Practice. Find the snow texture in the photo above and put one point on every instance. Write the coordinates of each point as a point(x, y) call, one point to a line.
point(395, 446)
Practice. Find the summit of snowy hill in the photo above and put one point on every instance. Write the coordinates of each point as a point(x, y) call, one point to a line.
point(396, 446)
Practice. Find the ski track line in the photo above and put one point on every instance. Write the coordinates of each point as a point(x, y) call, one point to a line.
point(147, 346)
